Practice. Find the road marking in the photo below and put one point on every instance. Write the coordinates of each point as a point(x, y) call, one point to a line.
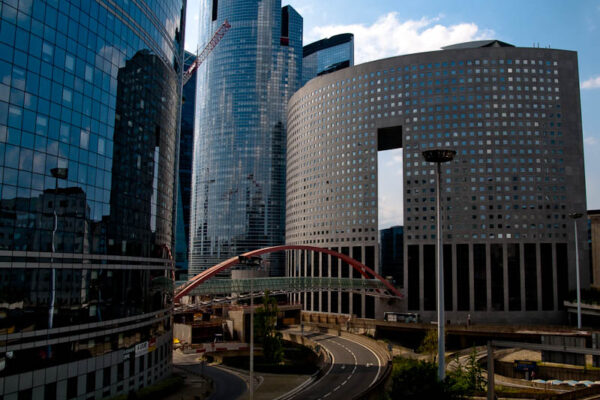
point(376, 356)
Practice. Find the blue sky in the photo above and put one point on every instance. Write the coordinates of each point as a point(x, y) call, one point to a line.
point(385, 28)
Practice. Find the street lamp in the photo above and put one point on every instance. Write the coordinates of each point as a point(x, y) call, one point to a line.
point(575, 216)
point(440, 156)
point(57, 173)
point(252, 262)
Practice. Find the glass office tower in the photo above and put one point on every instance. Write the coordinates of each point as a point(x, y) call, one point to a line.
point(238, 180)
point(327, 55)
point(89, 116)
point(186, 146)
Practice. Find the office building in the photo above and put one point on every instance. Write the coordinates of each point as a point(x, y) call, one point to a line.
point(391, 248)
point(89, 117)
point(513, 116)
point(327, 55)
point(186, 146)
point(238, 177)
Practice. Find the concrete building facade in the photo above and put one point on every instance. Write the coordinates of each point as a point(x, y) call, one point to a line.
point(513, 116)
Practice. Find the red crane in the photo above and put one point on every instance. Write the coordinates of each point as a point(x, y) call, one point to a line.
point(206, 51)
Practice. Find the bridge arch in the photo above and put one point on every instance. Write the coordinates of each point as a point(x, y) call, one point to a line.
point(209, 273)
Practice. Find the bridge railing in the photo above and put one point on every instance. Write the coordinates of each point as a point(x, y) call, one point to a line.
point(218, 286)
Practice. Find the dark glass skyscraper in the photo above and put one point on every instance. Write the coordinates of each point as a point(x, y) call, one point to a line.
point(238, 184)
point(89, 116)
point(186, 146)
point(327, 55)
point(391, 248)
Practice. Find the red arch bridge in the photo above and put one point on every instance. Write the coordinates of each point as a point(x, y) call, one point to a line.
point(371, 282)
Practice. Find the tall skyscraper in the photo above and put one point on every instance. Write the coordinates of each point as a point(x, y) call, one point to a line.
point(89, 120)
point(513, 116)
point(327, 55)
point(186, 146)
point(391, 248)
point(238, 179)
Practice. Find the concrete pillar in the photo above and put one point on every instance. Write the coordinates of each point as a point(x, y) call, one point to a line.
point(554, 277)
point(329, 260)
point(522, 273)
point(320, 269)
point(421, 280)
point(363, 296)
point(488, 276)
point(538, 271)
point(505, 274)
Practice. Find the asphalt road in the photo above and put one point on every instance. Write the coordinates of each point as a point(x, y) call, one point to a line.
point(228, 386)
point(354, 369)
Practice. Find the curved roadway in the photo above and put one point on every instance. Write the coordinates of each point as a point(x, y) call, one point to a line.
point(228, 386)
point(354, 369)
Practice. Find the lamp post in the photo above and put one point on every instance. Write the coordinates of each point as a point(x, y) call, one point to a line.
point(575, 216)
point(57, 173)
point(440, 156)
point(253, 262)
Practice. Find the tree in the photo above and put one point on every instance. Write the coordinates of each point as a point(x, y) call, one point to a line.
point(264, 328)
point(416, 379)
point(429, 345)
point(468, 379)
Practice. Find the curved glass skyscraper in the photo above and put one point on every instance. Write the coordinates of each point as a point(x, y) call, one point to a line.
point(238, 180)
point(89, 115)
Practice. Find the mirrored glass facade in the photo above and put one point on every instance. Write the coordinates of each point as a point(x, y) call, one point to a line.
point(89, 121)
point(238, 182)
point(327, 55)
point(186, 151)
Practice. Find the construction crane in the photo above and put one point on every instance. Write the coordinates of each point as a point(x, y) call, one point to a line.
point(206, 51)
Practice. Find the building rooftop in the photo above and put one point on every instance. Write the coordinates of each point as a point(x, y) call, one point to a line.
point(478, 44)
point(326, 43)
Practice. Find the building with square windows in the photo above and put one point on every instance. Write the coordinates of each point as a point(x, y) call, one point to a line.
point(513, 116)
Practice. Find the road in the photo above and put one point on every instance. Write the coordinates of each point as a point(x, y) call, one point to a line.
point(354, 369)
point(228, 386)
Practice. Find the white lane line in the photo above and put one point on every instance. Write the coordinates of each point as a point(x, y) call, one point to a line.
point(342, 366)
point(376, 356)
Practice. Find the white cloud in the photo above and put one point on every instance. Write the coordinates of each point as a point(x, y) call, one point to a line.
point(592, 83)
point(389, 36)
point(391, 211)
point(590, 140)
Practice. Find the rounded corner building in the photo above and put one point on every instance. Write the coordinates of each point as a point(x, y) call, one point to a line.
point(513, 116)
point(90, 97)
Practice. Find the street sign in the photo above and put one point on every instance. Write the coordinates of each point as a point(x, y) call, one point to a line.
point(525, 366)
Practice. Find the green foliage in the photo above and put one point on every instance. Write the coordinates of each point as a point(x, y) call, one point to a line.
point(415, 379)
point(429, 345)
point(468, 379)
point(264, 328)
